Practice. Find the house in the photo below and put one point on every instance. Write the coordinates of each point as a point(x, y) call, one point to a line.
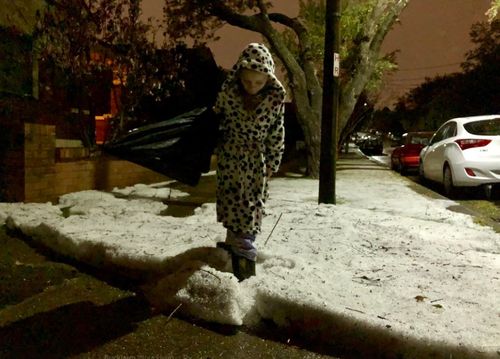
point(41, 151)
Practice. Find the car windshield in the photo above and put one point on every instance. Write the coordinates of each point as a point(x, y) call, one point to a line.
point(484, 127)
point(419, 140)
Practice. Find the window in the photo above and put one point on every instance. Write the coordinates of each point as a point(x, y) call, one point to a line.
point(484, 127)
point(439, 136)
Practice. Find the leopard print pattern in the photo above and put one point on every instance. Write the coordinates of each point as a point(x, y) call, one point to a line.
point(252, 141)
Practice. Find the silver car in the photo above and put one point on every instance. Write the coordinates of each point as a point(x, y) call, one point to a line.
point(464, 152)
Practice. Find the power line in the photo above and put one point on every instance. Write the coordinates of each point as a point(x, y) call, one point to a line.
point(421, 78)
point(430, 67)
point(400, 87)
point(407, 79)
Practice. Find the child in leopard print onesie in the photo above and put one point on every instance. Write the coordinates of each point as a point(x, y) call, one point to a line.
point(251, 105)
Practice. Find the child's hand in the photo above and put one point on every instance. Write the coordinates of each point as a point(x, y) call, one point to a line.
point(269, 172)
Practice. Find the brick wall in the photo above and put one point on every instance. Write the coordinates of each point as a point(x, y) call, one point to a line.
point(103, 173)
point(111, 172)
point(39, 162)
point(45, 179)
point(74, 176)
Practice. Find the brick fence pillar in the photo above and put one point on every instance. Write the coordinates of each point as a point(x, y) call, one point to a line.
point(39, 162)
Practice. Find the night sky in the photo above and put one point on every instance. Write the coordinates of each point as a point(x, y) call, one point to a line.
point(432, 38)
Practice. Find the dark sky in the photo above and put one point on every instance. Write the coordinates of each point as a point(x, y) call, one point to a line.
point(432, 38)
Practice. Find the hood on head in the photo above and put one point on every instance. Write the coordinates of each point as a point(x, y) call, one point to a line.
point(255, 57)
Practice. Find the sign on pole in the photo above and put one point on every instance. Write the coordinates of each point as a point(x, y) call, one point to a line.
point(336, 65)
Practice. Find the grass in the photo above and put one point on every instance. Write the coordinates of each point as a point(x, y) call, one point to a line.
point(488, 212)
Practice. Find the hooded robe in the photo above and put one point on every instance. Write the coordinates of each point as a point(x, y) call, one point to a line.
point(252, 140)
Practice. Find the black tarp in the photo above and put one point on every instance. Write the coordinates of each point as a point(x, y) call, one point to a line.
point(179, 148)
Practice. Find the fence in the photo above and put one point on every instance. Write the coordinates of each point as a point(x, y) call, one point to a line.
point(41, 170)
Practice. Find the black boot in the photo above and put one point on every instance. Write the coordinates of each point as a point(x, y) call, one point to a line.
point(225, 246)
point(243, 268)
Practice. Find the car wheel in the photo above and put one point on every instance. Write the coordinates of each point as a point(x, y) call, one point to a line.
point(449, 188)
point(402, 169)
point(421, 173)
point(394, 167)
point(488, 191)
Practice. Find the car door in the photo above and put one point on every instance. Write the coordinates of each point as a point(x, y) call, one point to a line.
point(435, 154)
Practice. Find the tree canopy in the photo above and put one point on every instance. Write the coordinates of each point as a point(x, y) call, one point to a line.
point(88, 39)
point(493, 10)
point(299, 48)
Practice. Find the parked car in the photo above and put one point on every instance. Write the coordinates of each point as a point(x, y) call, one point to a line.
point(406, 156)
point(464, 152)
point(370, 143)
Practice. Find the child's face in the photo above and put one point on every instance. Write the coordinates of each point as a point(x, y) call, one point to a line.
point(253, 81)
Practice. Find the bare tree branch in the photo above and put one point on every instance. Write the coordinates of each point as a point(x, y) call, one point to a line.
point(262, 24)
point(292, 23)
point(225, 13)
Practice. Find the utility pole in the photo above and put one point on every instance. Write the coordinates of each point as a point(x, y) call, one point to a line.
point(329, 116)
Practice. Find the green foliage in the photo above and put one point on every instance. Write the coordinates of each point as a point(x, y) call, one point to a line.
point(85, 39)
point(355, 16)
point(91, 43)
point(299, 48)
point(486, 36)
point(494, 10)
point(15, 62)
point(313, 15)
point(182, 79)
point(20, 14)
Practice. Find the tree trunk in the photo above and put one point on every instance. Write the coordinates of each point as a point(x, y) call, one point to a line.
point(310, 122)
point(304, 83)
point(383, 16)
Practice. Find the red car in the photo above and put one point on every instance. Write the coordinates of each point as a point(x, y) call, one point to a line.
point(406, 156)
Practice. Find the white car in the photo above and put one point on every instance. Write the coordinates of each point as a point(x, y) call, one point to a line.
point(464, 152)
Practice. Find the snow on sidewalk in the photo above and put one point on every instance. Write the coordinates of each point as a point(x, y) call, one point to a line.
point(385, 268)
